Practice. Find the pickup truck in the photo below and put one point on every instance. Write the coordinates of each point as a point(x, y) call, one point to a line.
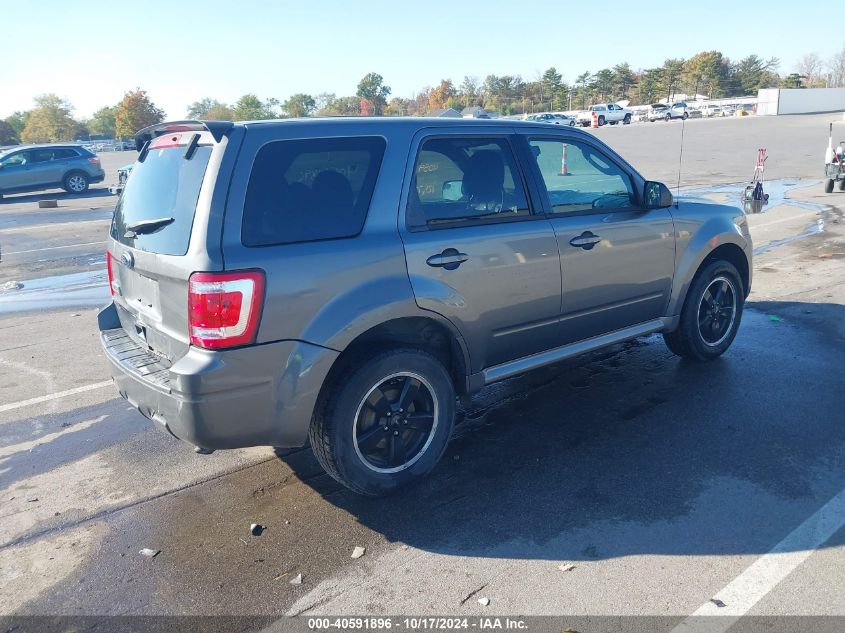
point(607, 113)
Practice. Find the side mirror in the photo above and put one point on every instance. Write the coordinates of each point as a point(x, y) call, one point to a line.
point(657, 196)
point(453, 190)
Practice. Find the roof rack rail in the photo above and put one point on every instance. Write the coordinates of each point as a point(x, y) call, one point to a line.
point(218, 130)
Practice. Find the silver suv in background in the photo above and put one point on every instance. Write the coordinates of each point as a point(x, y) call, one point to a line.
point(38, 167)
point(342, 281)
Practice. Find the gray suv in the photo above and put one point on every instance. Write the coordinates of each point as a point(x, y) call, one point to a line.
point(343, 281)
point(39, 167)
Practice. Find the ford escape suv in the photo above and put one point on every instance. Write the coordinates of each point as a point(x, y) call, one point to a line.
point(342, 281)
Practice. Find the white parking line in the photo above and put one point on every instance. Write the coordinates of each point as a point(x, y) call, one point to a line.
point(747, 589)
point(37, 227)
point(52, 248)
point(53, 396)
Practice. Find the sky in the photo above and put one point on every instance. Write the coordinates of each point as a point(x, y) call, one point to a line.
point(91, 51)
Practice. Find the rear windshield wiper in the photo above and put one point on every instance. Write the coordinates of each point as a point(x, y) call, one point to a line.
point(147, 226)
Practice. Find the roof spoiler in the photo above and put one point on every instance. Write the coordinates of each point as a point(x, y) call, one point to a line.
point(218, 130)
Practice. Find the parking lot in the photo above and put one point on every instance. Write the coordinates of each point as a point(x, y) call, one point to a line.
point(624, 483)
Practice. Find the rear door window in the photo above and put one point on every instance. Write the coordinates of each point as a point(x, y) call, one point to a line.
point(40, 155)
point(465, 180)
point(310, 189)
point(155, 213)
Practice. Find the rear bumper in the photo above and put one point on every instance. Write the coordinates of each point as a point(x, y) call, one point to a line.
point(262, 395)
point(100, 177)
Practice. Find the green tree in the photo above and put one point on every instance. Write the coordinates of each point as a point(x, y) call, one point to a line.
point(706, 71)
point(671, 76)
point(603, 84)
point(18, 121)
point(135, 112)
point(650, 85)
point(219, 112)
point(792, 80)
point(469, 91)
point(102, 122)
point(341, 106)
point(201, 109)
point(299, 105)
point(398, 107)
point(582, 82)
point(372, 88)
point(554, 89)
point(623, 79)
point(251, 108)
point(8, 136)
point(752, 73)
point(50, 121)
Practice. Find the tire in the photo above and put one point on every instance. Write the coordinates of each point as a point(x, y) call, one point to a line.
point(686, 116)
point(841, 185)
point(601, 121)
point(828, 185)
point(572, 123)
point(699, 336)
point(667, 118)
point(75, 182)
point(626, 120)
point(367, 398)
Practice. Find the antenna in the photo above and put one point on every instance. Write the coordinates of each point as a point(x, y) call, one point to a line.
point(680, 159)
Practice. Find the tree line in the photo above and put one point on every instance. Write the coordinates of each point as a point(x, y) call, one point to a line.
point(710, 73)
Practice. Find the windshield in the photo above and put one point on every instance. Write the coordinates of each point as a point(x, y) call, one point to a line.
point(165, 185)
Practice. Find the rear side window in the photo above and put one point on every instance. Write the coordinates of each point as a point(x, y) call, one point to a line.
point(155, 212)
point(460, 180)
point(61, 153)
point(310, 189)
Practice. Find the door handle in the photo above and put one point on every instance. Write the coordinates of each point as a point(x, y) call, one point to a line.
point(449, 259)
point(586, 240)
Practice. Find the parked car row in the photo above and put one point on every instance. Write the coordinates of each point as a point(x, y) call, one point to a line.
point(555, 119)
point(110, 146)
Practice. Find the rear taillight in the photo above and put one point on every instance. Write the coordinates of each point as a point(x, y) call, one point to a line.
point(110, 263)
point(94, 160)
point(224, 309)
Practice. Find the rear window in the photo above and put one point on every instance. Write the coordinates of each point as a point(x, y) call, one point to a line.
point(64, 152)
point(166, 185)
point(311, 189)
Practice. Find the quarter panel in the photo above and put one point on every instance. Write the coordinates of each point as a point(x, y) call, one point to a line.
point(699, 229)
point(327, 292)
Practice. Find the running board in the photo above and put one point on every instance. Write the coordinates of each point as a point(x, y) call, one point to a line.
point(527, 363)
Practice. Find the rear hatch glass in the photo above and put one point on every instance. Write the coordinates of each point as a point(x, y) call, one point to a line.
point(155, 213)
point(153, 220)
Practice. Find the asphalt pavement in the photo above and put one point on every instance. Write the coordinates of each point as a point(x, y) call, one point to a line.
point(627, 482)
